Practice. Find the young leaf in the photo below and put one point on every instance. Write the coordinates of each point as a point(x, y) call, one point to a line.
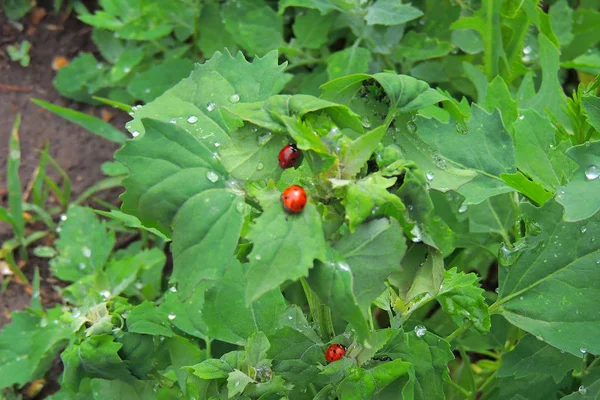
point(148, 320)
point(461, 297)
point(534, 357)
point(84, 245)
point(284, 246)
point(359, 152)
point(352, 60)
point(256, 349)
point(237, 382)
point(391, 12)
point(558, 268)
point(422, 272)
point(581, 196)
point(212, 369)
point(365, 384)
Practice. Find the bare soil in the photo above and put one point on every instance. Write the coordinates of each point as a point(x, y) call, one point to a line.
point(77, 151)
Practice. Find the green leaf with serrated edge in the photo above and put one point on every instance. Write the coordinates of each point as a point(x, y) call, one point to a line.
point(324, 6)
point(369, 198)
point(550, 290)
point(591, 105)
point(372, 252)
point(250, 154)
point(256, 349)
point(534, 387)
point(418, 46)
point(84, 245)
point(334, 282)
point(311, 29)
point(210, 87)
point(366, 383)
point(83, 76)
point(167, 167)
point(561, 20)
point(213, 36)
point(150, 84)
point(206, 231)
point(422, 272)
point(586, 30)
point(486, 148)
point(498, 96)
point(461, 297)
point(126, 62)
point(359, 151)
point(526, 187)
point(211, 369)
point(149, 320)
point(494, 215)
point(237, 382)
point(581, 196)
point(352, 60)
point(284, 245)
point(537, 154)
point(88, 122)
point(254, 25)
point(137, 350)
point(550, 95)
point(391, 12)
point(130, 221)
point(478, 78)
point(29, 345)
point(96, 357)
point(189, 312)
point(535, 357)
point(117, 390)
point(229, 318)
point(183, 352)
point(429, 356)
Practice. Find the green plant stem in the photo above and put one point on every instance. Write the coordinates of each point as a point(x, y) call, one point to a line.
point(208, 347)
point(488, 380)
point(461, 389)
point(311, 61)
point(459, 331)
point(321, 314)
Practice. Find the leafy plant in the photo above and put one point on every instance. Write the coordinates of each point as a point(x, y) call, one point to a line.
point(20, 53)
point(450, 246)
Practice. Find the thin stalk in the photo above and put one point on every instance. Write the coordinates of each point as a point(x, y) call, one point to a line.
point(459, 331)
point(461, 389)
point(321, 314)
point(487, 381)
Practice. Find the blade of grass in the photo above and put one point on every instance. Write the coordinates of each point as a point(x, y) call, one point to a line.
point(55, 189)
point(91, 123)
point(41, 213)
point(66, 190)
point(104, 184)
point(15, 194)
point(37, 190)
point(5, 215)
point(36, 300)
point(114, 104)
point(15, 268)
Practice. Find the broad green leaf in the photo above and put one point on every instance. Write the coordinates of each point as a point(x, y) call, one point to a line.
point(422, 272)
point(537, 154)
point(91, 123)
point(254, 25)
point(213, 35)
point(237, 382)
point(527, 187)
point(96, 357)
point(366, 383)
point(324, 6)
point(150, 84)
point(535, 357)
point(212, 369)
point(81, 78)
point(182, 353)
point(485, 147)
point(120, 274)
point(591, 105)
point(391, 12)
point(126, 62)
point(29, 345)
point(284, 246)
point(227, 314)
point(429, 356)
point(84, 245)
point(196, 103)
point(418, 47)
point(461, 297)
point(561, 19)
point(359, 152)
point(148, 320)
point(477, 78)
point(550, 95)
point(352, 60)
point(590, 387)
point(550, 291)
point(311, 29)
point(581, 196)
point(256, 349)
point(16, 9)
point(118, 390)
point(586, 28)
point(188, 313)
point(494, 215)
point(162, 164)
point(498, 96)
point(540, 386)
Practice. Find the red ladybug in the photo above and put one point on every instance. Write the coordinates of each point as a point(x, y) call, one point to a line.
point(335, 352)
point(289, 156)
point(294, 199)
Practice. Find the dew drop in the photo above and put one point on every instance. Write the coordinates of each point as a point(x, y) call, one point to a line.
point(44, 323)
point(416, 232)
point(583, 229)
point(412, 127)
point(334, 131)
point(263, 139)
point(76, 314)
point(582, 390)
point(290, 317)
point(217, 144)
point(592, 173)
point(135, 134)
point(260, 166)
point(527, 50)
point(87, 252)
point(15, 154)
point(172, 316)
point(430, 175)
point(212, 176)
point(147, 90)
point(237, 383)
point(541, 339)
point(63, 217)
point(521, 117)
point(192, 119)
point(81, 266)
point(105, 294)
point(497, 290)
point(235, 98)
point(139, 285)
point(172, 121)
point(583, 350)
point(463, 208)
point(257, 257)
point(211, 106)
point(420, 330)
point(343, 266)
point(366, 122)
point(460, 128)
point(173, 289)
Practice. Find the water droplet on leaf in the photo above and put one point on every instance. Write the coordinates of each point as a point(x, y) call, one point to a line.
point(420, 330)
point(592, 173)
point(192, 119)
point(172, 316)
point(135, 134)
point(262, 139)
point(87, 252)
point(460, 128)
point(430, 175)
point(463, 208)
point(411, 126)
point(212, 176)
point(235, 98)
point(582, 390)
point(211, 106)
point(260, 166)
